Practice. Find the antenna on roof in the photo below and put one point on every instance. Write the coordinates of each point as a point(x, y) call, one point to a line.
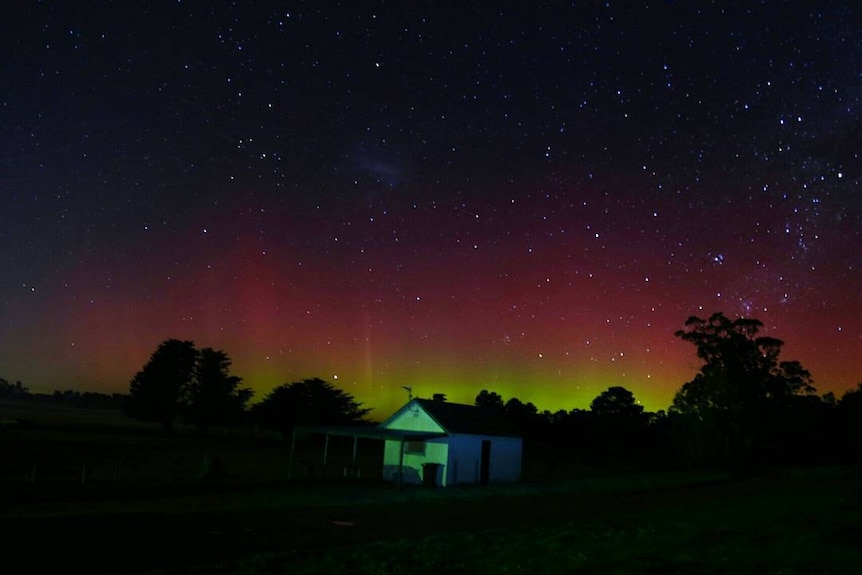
point(409, 392)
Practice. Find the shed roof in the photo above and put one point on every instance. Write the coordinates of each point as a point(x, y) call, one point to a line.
point(465, 419)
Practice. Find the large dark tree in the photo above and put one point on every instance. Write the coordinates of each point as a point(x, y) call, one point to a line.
point(523, 415)
point(850, 422)
point(308, 402)
point(741, 387)
point(215, 397)
point(616, 401)
point(489, 399)
point(159, 390)
point(618, 423)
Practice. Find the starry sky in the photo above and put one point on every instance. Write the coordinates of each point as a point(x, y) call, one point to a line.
point(524, 197)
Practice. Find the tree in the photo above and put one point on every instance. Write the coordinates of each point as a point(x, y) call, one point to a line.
point(308, 402)
point(158, 391)
point(617, 402)
point(215, 397)
point(617, 422)
point(849, 412)
point(489, 399)
point(9, 390)
point(741, 386)
point(852, 400)
point(524, 415)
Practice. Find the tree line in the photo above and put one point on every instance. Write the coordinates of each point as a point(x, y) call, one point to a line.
point(70, 397)
point(745, 406)
point(182, 383)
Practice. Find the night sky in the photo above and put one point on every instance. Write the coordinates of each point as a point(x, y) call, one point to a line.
point(449, 196)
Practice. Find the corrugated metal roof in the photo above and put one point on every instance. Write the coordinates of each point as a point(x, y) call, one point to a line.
point(469, 419)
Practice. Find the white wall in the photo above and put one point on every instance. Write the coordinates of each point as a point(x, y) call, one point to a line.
point(465, 459)
point(436, 450)
point(460, 455)
point(414, 418)
point(506, 454)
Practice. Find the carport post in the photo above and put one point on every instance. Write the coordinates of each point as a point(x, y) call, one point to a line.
point(290, 459)
point(355, 441)
point(325, 453)
point(400, 463)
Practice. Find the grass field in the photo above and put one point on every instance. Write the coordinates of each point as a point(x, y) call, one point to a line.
point(710, 523)
point(788, 523)
point(792, 523)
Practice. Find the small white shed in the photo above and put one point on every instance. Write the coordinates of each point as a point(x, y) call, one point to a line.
point(466, 445)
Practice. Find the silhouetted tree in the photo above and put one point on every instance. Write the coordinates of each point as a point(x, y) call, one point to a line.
point(852, 400)
point(214, 396)
point(158, 391)
point(699, 439)
point(308, 402)
point(489, 399)
point(16, 390)
point(658, 447)
point(849, 411)
point(618, 423)
point(439, 397)
point(618, 402)
point(804, 430)
point(524, 415)
point(741, 384)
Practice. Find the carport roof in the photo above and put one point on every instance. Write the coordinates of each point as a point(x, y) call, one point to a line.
point(369, 432)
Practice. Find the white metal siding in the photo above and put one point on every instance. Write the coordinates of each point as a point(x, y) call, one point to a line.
point(505, 459)
point(465, 459)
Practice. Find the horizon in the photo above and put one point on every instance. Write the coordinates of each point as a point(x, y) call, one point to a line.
point(465, 396)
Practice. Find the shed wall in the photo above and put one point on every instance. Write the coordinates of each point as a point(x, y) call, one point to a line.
point(436, 450)
point(459, 454)
point(413, 418)
point(465, 459)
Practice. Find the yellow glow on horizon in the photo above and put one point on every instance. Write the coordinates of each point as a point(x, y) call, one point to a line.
point(554, 391)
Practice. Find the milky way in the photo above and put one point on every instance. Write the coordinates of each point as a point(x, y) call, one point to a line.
point(527, 199)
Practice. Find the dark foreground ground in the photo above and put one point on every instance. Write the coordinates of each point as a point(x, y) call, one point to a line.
point(786, 522)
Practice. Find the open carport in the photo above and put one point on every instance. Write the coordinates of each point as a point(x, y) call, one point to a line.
point(402, 436)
